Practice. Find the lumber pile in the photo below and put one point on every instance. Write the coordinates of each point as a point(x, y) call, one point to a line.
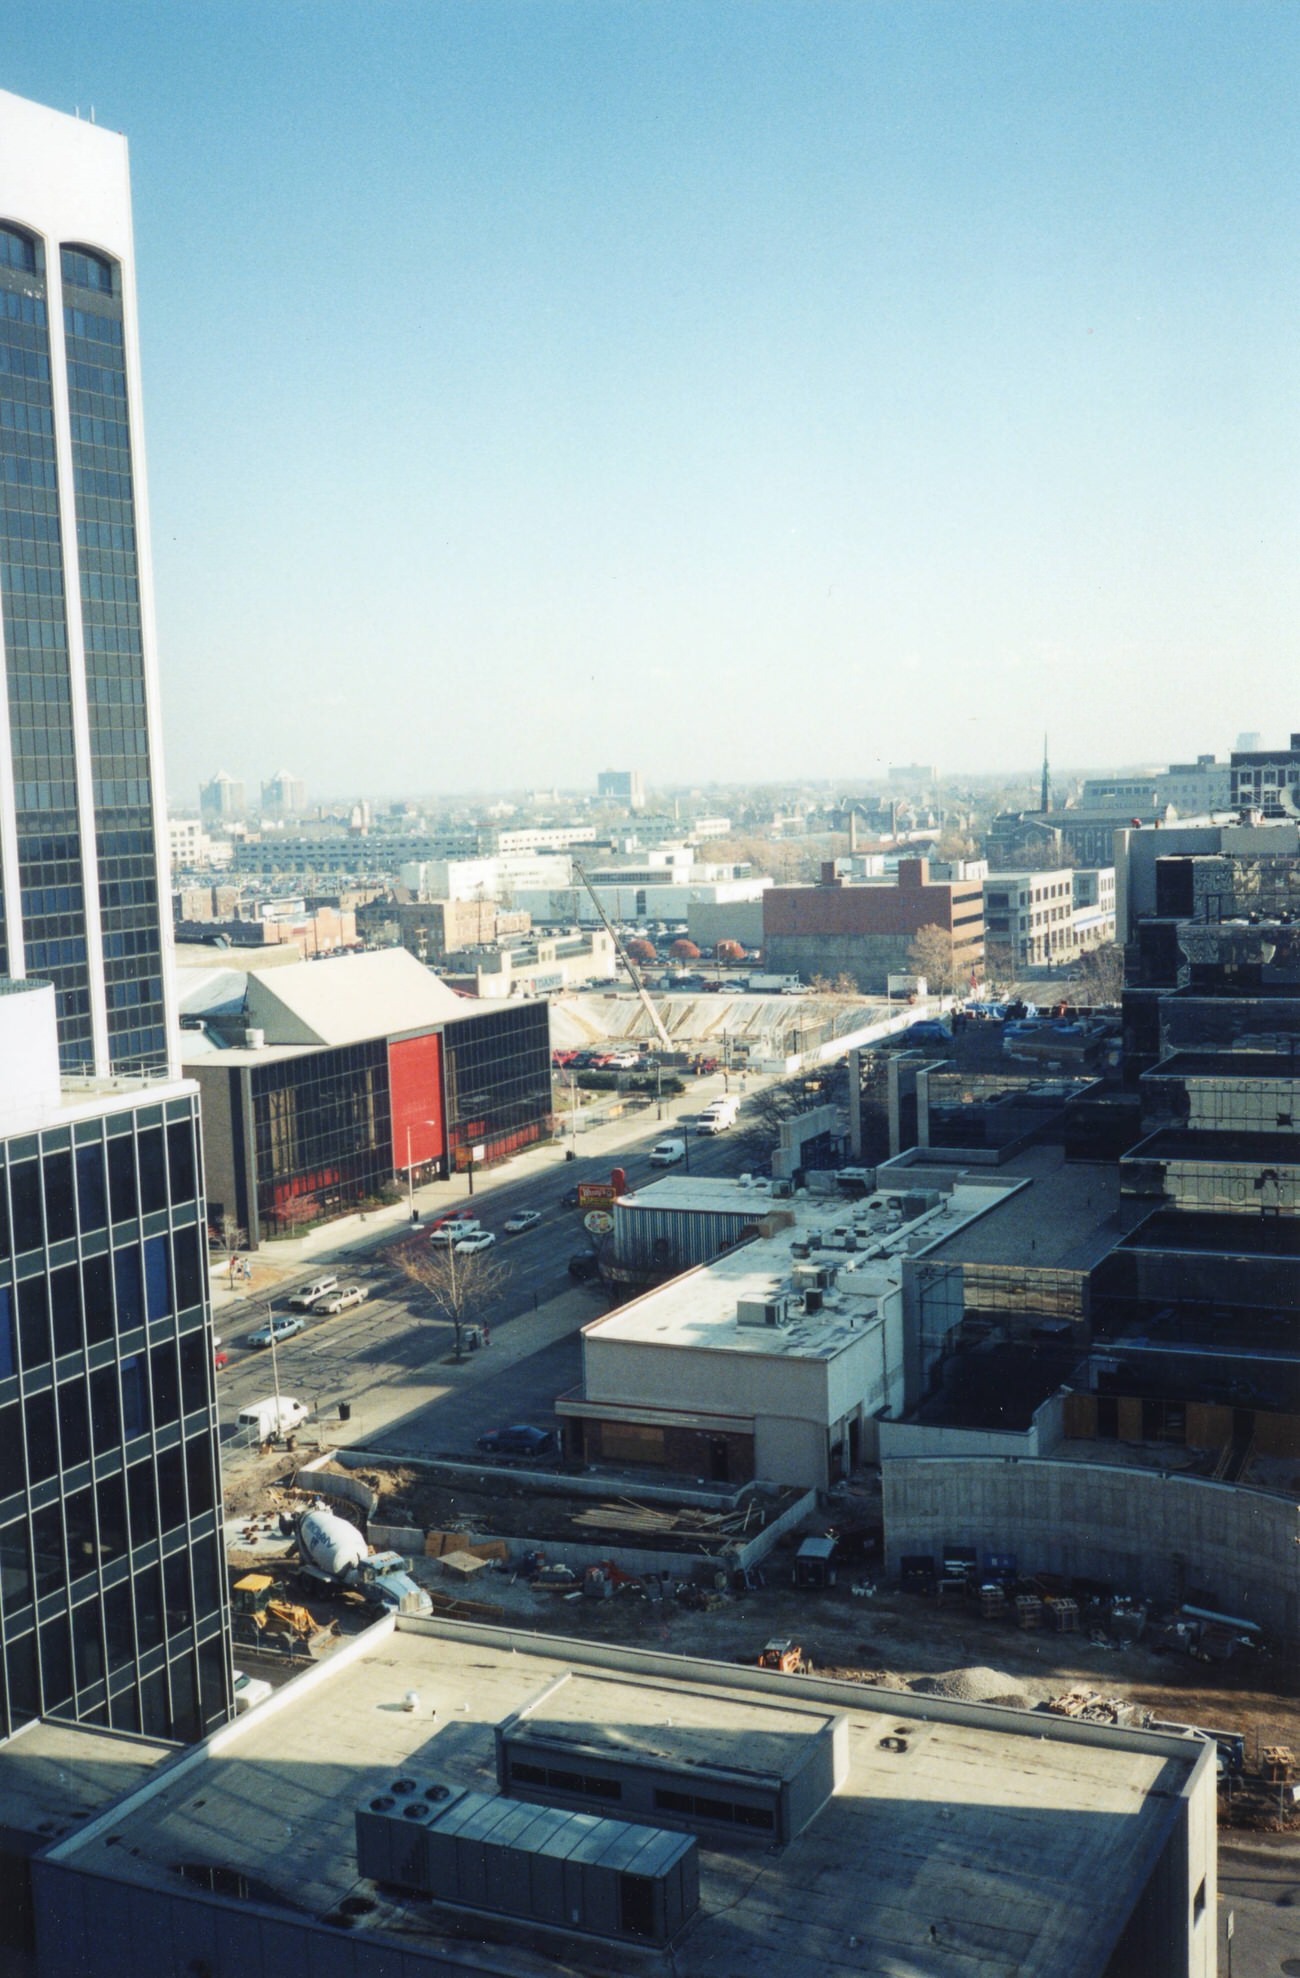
point(634, 1520)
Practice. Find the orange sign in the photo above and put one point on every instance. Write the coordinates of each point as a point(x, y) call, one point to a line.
point(596, 1194)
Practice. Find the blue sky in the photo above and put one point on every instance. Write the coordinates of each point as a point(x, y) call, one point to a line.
point(736, 391)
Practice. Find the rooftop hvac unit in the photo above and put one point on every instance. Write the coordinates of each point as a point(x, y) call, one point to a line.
point(763, 1312)
point(799, 1247)
point(812, 1299)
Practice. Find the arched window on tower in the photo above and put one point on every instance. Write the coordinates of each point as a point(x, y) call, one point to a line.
point(84, 268)
point(18, 248)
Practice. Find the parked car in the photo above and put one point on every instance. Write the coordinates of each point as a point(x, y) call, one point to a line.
point(250, 1691)
point(283, 1327)
point(220, 1357)
point(520, 1440)
point(584, 1266)
point(478, 1239)
point(444, 1234)
point(342, 1300)
point(524, 1219)
point(310, 1294)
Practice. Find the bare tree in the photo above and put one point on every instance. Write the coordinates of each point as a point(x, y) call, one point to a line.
point(1101, 973)
point(1000, 963)
point(460, 1285)
point(231, 1237)
point(932, 953)
point(760, 1124)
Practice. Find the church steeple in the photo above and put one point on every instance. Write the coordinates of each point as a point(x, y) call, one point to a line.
point(1045, 803)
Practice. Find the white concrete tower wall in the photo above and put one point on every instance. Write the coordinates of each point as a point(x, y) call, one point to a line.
point(66, 181)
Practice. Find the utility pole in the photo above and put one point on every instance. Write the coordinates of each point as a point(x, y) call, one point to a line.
point(275, 1367)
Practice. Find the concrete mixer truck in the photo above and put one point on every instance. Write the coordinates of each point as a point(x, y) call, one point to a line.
point(335, 1554)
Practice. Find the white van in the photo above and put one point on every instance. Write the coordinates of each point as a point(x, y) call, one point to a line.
point(665, 1152)
point(719, 1116)
point(320, 1287)
point(272, 1417)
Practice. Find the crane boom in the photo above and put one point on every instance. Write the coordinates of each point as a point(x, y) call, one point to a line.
point(626, 960)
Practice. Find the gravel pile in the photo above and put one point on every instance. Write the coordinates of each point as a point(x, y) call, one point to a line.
point(977, 1684)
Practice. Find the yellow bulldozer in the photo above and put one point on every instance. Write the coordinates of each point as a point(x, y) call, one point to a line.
point(279, 1627)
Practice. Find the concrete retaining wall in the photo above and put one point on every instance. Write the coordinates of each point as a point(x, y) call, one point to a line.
point(328, 1483)
point(632, 1558)
point(557, 1483)
point(1149, 1532)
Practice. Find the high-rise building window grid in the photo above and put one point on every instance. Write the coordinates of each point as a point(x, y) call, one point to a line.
point(111, 1589)
point(110, 609)
point(37, 670)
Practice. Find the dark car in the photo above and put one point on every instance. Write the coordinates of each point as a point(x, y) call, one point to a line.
point(585, 1266)
point(520, 1440)
point(569, 1199)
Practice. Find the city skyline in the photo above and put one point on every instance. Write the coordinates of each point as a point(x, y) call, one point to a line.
point(690, 379)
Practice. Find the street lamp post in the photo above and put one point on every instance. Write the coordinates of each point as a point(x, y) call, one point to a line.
point(275, 1367)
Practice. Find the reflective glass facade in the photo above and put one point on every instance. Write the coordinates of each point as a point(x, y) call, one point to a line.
point(126, 853)
point(44, 825)
point(70, 576)
point(497, 1081)
point(112, 1595)
point(323, 1129)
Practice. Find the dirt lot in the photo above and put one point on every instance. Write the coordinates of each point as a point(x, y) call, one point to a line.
point(888, 1637)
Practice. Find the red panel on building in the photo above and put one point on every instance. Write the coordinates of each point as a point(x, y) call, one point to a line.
point(415, 1085)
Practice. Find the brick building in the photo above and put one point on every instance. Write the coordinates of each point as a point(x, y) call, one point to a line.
point(867, 930)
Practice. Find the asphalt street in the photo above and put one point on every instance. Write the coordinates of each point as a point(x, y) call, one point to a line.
point(1259, 1888)
point(393, 1343)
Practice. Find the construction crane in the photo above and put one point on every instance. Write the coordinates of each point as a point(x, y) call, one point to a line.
point(627, 961)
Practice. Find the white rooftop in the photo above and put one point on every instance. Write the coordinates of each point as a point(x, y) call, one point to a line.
point(699, 1308)
point(1013, 1842)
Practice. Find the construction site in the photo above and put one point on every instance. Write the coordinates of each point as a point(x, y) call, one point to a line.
point(643, 1572)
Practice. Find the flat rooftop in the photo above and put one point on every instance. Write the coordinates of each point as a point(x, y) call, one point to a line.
point(54, 1777)
point(613, 1717)
point(1068, 1220)
point(1237, 1148)
point(699, 1308)
point(1023, 1842)
point(1250, 1235)
point(1227, 1064)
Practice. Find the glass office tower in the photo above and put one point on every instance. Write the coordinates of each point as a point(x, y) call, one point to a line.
point(82, 885)
point(113, 1608)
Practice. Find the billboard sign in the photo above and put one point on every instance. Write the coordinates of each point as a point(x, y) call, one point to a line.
point(596, 1195)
